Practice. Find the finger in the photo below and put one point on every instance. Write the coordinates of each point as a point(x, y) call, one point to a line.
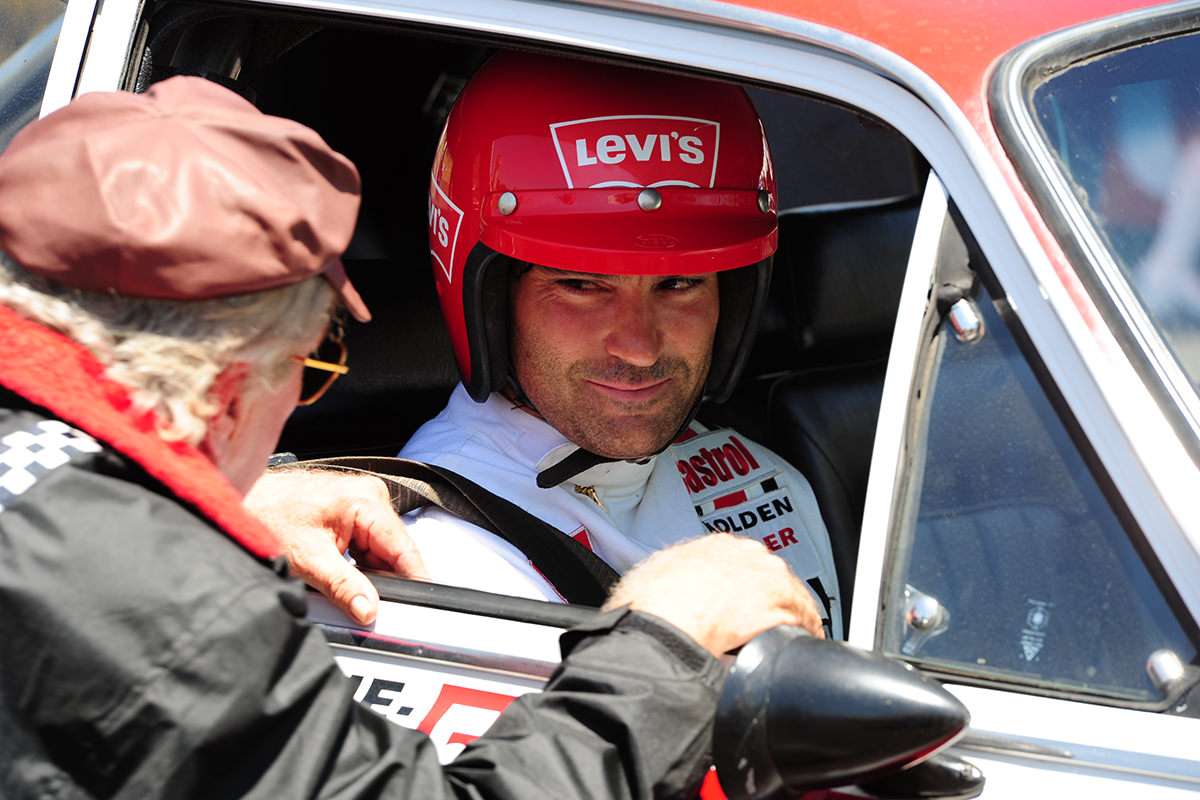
point(806, 613)
point(379, 533)
point(812, 622)
point(326, 570)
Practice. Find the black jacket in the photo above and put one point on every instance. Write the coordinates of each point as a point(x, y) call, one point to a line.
point(146, 651)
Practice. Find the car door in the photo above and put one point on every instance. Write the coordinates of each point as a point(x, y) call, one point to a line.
point(445, 661)
point(1010, 567)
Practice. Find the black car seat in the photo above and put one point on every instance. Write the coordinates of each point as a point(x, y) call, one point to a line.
point(835, 293)
point(401, 367)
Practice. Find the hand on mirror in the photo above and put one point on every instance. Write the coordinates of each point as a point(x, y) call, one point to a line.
point(318, 515)
point(721, 590)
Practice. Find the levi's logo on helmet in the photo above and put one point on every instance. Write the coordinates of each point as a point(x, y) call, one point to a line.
point(660, 151)
point(445, 219)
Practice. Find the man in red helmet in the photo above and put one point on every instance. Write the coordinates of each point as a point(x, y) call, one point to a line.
point(601, 240)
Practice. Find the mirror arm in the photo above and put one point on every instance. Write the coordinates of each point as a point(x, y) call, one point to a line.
point(944, 776)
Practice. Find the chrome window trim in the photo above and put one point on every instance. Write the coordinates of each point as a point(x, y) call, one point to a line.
point(347, 642)
point(1072, 739)
point(1075, 756)
point(444, 634)
point(68, 54)
point(890, 454)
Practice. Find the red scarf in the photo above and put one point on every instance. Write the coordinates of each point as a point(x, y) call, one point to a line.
point(61, 376)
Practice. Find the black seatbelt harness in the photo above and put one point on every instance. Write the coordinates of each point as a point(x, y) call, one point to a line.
point(576, 573)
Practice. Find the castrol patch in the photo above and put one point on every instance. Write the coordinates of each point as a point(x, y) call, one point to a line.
point(445, 220)
point(737, 488)
point(602, 152)
point(733, 492)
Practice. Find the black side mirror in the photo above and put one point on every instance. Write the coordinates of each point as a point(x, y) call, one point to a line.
point(799, 714)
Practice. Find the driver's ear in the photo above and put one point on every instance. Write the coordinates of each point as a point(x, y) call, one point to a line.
point(226, 394)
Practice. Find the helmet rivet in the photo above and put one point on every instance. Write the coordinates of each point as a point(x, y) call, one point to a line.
point(764, 202)
point(649, 200)
point(507, 203)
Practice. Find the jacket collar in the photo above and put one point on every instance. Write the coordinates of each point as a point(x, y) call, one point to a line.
point(75, 390)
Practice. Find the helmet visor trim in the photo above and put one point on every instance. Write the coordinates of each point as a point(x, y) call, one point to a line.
point(608, 231)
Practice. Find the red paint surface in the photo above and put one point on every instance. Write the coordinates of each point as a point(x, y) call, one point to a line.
point(958, 44)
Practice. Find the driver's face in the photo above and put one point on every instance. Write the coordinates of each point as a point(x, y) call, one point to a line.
point(614, 362)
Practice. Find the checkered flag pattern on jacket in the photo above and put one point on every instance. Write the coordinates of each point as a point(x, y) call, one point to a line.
point(28, 456)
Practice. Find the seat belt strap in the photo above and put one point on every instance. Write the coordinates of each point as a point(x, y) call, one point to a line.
point(576, 573)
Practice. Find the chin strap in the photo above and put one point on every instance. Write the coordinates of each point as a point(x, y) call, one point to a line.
point(578, 461)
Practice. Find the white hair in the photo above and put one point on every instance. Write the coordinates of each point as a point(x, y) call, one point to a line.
point(168, 353)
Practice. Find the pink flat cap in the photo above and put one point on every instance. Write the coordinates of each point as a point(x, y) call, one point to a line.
point(184, 192)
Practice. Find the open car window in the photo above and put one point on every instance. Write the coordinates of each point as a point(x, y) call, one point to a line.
point(811, 391)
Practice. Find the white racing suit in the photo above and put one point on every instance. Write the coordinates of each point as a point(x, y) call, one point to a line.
point(708, 480)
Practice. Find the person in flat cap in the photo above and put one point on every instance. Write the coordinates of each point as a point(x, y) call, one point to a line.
point(169, 280)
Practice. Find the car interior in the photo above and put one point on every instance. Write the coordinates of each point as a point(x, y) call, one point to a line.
point(812, 387)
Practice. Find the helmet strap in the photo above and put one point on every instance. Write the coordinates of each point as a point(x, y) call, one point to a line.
point(580, 460)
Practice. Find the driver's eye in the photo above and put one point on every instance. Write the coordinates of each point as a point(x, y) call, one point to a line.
point(677, 284)
point(576, 284)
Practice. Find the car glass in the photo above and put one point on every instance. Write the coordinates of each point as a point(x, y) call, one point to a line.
point(1011, 563)
point(28, 33)
point(872, 163)
point(1125, 127)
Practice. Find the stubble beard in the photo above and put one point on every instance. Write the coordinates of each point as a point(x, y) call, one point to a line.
point(628, 431)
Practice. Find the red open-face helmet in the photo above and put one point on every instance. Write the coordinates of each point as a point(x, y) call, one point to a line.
point(604, 169)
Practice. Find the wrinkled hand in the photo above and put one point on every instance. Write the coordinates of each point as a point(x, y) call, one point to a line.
point(720, 589)
point(318, 515)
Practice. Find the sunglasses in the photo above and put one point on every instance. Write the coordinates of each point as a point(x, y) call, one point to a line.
point(322, 367)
